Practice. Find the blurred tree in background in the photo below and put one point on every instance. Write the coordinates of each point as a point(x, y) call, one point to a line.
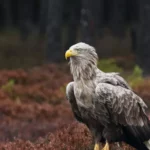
point(142, 50)
point(109, 25)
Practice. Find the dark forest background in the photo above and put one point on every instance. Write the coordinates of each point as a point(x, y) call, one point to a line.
point(34, 35)
point(33, 32)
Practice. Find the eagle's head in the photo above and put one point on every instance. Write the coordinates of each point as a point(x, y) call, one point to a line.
point(82, 52)
point(83, 60)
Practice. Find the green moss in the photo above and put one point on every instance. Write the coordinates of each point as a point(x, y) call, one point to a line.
point(63, 88)
point(136, 77)
point(8, 87)
point(109, 65)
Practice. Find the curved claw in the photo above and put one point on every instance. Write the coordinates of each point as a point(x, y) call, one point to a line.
point(97, 146)
point(106, 147)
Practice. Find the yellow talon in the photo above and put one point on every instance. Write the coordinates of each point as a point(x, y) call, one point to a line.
point(97, 146)
point(106, 147)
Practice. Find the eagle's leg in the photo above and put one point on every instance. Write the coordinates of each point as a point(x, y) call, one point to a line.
point(98, 146)
point(106, 147)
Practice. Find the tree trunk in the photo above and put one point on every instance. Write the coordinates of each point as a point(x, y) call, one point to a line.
point(25, 10)
point(54, 31)
point(91, 16)
point(73, 13)
point(118, 14)
point(133, 19)
point(43, 16)
point(143, 37)
point(7, 13)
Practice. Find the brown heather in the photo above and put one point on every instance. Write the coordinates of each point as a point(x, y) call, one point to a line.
point(35, 115)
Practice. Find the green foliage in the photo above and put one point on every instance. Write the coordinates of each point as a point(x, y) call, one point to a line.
point(136, 77)
point(63, 88)
point(8, 87)
point(109, 65)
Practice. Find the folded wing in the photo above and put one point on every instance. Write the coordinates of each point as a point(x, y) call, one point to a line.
point(123, 105)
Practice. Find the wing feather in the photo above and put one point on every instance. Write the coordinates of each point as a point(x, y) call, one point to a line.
point(112, 78)
point(71, 97)
point(124, 105)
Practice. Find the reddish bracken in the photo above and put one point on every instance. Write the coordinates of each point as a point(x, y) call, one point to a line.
point(74, 137)
point(39, 84)
point(34, 103)
point(35, 115)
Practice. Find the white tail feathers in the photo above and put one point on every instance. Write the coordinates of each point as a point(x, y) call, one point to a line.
point(147, 143)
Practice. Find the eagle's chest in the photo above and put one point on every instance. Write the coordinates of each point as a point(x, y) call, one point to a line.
point(84, 93)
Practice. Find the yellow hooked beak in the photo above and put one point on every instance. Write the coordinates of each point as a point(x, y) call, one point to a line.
point(70, 53)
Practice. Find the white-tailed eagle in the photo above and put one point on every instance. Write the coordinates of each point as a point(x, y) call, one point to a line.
point(105, 102)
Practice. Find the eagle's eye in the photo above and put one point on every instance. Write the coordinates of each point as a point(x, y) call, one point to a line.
point(77, 49)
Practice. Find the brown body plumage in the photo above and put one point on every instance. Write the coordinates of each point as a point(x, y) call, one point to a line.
point(104, 101)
